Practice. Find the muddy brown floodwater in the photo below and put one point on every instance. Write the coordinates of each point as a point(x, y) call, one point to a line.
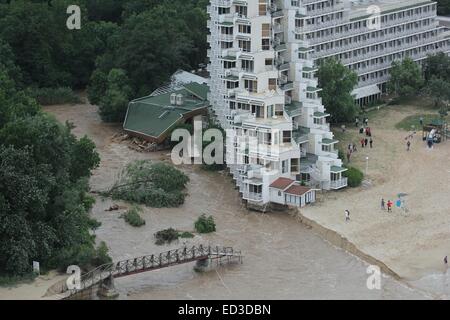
point(283, 259)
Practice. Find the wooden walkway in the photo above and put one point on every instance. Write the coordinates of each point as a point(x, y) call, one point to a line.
point(152, 262)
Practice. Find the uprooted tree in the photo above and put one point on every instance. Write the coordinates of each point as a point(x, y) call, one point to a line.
point(152, 184)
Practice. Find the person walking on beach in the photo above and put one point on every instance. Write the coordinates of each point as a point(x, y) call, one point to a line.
point(356, 122)
point(366, 141)
point(371, 143)
point(446, 261)
point(347, 216)
point(382, 204)
point(354, 147)
point(408, 146)
point(362, 142)
point(389, 205)
point(421, 121)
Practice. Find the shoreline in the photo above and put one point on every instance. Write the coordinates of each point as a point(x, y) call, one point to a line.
point(340, 241)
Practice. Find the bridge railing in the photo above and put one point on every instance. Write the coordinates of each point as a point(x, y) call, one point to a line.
point(151, 262)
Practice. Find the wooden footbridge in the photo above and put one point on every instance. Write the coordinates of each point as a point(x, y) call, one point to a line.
point(104, 274)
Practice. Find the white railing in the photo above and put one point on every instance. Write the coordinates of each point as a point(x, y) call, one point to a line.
point(253, 196)
point(339, 184)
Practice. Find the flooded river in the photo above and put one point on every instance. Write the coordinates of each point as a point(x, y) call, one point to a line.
point(282, 258)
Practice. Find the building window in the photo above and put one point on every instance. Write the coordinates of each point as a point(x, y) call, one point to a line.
point(245, 45)
point(272, 84)
point(295, 165)
point(247, 65)
point(262, 7)
point(245, 28)
point(285, 166)
point(241, 11)
point(287, 136)
point(265, 44)
point(265, 30)
point(251, 85)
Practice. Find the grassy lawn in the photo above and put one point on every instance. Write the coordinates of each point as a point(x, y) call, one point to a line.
point(413, 122)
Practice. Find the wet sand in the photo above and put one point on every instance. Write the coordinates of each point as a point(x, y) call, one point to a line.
point(283, 258)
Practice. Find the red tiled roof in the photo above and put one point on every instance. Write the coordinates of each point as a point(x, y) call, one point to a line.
point(297, 190)
point(281, 183)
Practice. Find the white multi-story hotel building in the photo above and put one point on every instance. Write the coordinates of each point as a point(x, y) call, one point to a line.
point(263, 58)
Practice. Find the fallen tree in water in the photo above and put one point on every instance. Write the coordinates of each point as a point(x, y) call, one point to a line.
point(152, 184)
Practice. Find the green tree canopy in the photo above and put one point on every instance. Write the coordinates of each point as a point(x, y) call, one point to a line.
point(43, 188)
point(438, 90)
point(117, 94)
point(437, 65)
point(406, 78)
point(337, 83)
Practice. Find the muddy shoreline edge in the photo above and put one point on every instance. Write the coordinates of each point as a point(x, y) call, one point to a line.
point(342, 242)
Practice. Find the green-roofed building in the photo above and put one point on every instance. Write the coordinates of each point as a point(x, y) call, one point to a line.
point(153, 117)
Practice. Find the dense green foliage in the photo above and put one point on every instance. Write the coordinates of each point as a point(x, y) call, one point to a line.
point(437, 65)
point(337, 83)
point(133, 218)
point(147, 40)
point(406, 78)
point(153, 184)
point(114, 100)
point(43, 187)
point(443, 7)
point(205, 224)
point(166, 236)
point(355, 177)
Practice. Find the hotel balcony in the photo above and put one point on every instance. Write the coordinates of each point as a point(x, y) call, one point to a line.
point(222, 3)
point(339, 184)
point(252, 196)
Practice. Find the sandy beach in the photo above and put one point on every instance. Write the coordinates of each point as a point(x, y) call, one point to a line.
point(413, 243)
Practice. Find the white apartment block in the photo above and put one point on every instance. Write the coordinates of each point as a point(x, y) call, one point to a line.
point(265, 93)
point(263, 59)
point(350, 32)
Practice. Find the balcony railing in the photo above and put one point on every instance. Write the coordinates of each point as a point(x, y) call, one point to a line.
point(339, 184)
point(252, 196)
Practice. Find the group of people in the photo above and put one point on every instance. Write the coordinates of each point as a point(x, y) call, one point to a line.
point(365, 122)
point(389, 205)
point(365, 142)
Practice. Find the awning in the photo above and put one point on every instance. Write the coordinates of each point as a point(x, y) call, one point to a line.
point(329, 141)
point(367, 91)
point(336, 169)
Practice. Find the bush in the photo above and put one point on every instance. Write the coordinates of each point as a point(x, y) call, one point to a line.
point(153, 184)
point(133, 218)
point(101, 255)
point(186, 235)
point(205, 224)
point(52, 96)
point(166, 236)
point(355, 177)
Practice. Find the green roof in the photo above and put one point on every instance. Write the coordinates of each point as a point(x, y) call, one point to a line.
point(313, 89)
point(300, 135)
point(329, 141)
point(321, 115)
point(336, 169)
point(154, 115)
point(303, 49)
point(294, 109)
point(281, 47)
point(198, 90)
point(308, 69)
